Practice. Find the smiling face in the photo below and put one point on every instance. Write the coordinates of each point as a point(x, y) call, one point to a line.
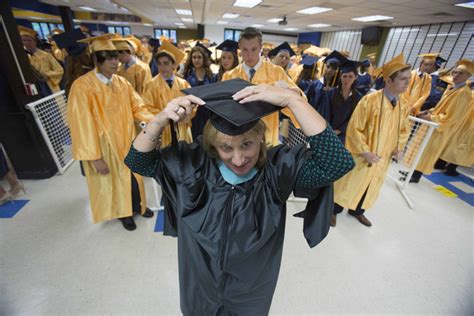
point(239, 153)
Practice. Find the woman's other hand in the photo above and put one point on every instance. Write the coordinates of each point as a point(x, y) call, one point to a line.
point(177, 110)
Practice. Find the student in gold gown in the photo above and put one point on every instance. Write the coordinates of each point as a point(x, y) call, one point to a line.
point(257, 71)
point(137, 72)
point(102, 110)
point(42, 61)
point(165, 87)
point(377, 131)
point(451, 113)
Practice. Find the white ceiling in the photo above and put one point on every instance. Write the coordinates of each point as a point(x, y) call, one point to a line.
point(208, 12)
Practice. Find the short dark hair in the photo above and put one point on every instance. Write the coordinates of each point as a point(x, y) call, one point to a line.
point(395, 74)
point(251, 33)
point(102, 55)
point(164, 54)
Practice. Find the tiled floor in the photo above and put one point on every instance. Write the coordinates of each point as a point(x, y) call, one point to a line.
point(54, 261)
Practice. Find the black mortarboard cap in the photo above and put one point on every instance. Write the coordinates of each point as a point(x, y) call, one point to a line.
point(44, 44)
point(365, 63)
point(228, 46)
point(68, 39)
point(206, 50)
point(335, 58)
point(282, 46)
point(349, 65)
point(154, 42)
point(439, 61)
point(308, 61)
point(229, 116)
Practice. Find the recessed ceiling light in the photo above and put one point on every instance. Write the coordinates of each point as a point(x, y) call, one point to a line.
point(87, 8)
point(256, 25)
point(246, 3)
point(179, 23)
point(230, 16)
point(184, 12)
point(469, 5)
point(319, 25)
point(187, 20)
point(181, 27)
point(275, 20)
point(372, 18)
point(222, 22)
point(314, 10)
point(147, 24)
point(290, 29)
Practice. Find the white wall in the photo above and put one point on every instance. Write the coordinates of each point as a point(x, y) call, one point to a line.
point(142, 30)
point(216, 34)
point(343, 40)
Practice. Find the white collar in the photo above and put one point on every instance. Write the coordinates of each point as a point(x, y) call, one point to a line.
point(362, 73)
point(103, 78)
point(247, 67)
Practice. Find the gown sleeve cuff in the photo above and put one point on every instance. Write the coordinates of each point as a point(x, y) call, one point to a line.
point(142, 163)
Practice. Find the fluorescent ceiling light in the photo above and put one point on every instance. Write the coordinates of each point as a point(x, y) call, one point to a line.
point(230, 16)
point(246, 3)
point(187, 20)
point(181, 27)
point(372, 18)
point(469, 5)
point(256, 25)
point(179, 23)
point(222, 22)
point(184, 12)
point(275, 20)
point(319, 25)
point(314, 10)
point(87, 8)
point(442, 34)
point(147, 24)
point(290, 29)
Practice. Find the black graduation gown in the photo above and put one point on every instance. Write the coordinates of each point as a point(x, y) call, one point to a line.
point(230, 238)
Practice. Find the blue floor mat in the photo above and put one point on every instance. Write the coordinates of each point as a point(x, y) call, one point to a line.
point(159, 221)
point(10, 209)
point(442, 179)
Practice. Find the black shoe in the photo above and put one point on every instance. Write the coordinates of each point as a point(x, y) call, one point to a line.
point(440, 165)
point(148, 213)
point(451, 173)
point(128, 223)
point(414, 180)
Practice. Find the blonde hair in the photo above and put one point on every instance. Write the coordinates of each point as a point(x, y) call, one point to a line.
point(211, 135)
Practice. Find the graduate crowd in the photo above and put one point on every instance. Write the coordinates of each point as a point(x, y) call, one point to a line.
point(209, 155)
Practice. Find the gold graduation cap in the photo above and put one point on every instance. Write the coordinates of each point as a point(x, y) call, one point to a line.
point(372, 55)
point(446, 78)
point(99, 43)
point(346, 53)
point(466, 64)
point(313, 50)
point(135, 42)
point(429, 56)
point(267, 45)
point(172, 50)
point(393, 66)
point(26, 31)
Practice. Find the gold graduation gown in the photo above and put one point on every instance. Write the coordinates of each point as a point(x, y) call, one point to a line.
point(139, 74)
point(58, 53)
point(49, 67)
point(451, 113)
point(295, 71)
point(418, 91)
point(101, 120)
point(364, 128)
point(461, 150)
point(267, 73)
point(157, 94)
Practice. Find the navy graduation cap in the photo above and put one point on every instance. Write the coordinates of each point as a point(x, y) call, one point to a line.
point(282, 46)
point(206, 50)
point(308, 61)
point(228, 116)
point(228, 46)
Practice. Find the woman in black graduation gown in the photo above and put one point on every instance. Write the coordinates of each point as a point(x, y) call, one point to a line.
point(340, 102)
point(229, 193)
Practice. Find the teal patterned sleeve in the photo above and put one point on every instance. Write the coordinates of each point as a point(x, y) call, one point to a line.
point(329, 161)
point(142, 163)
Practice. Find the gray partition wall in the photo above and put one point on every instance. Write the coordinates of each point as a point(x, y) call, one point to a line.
point(343, 40)
point(453, 40)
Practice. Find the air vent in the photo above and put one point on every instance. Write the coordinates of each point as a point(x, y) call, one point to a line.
point(265, 6)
